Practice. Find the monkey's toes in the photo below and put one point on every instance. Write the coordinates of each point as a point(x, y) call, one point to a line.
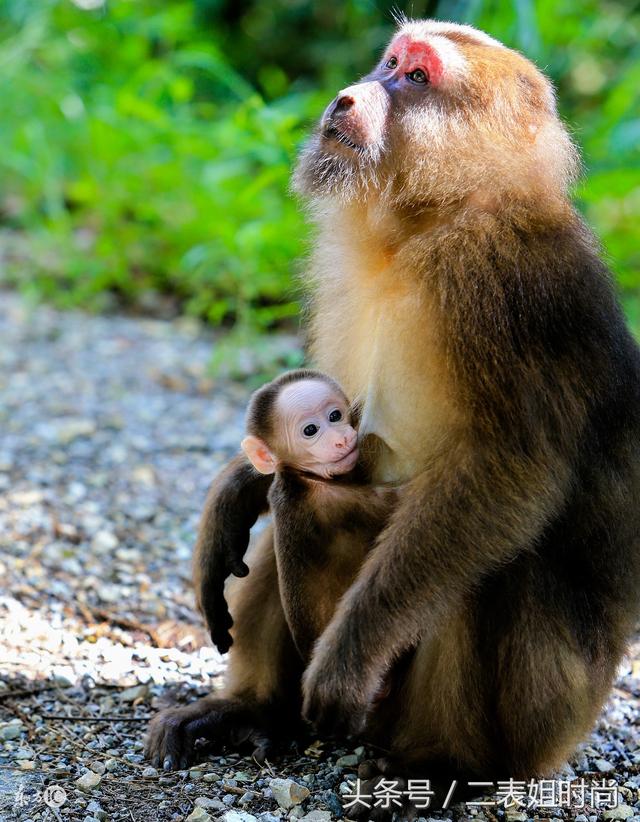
point(382, 766)
point(168, 744)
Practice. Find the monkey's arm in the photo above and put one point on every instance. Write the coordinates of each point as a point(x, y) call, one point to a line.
point(309, 516)
point(300, 548)
point(474, 511)
point(237, 497)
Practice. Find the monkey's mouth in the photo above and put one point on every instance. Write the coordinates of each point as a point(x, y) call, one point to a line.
point(347, 462)
point(333, 133)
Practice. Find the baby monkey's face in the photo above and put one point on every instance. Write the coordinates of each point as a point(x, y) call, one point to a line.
point(315, 428)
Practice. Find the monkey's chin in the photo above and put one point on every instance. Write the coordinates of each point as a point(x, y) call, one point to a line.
point(344, 465)
point(327, 167)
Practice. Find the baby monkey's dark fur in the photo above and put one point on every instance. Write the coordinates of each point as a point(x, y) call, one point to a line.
point(323, 527)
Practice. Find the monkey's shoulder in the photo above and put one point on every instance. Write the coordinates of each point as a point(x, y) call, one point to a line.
point(294, 485)
point(340, 502)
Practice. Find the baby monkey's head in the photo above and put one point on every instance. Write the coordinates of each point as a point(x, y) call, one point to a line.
point(301, 420)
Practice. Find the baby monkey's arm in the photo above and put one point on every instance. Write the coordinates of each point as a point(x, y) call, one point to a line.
point(323, 532)
point(237, 497)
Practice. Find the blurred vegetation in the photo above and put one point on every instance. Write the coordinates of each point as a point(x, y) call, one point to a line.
point(145, 145)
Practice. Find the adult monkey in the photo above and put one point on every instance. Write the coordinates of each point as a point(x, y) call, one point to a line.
point(461, 300)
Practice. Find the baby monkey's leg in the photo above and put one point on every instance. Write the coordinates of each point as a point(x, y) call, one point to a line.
point(262, 694)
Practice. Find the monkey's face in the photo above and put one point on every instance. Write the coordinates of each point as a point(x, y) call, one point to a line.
point(315, 431)
point(446, 111)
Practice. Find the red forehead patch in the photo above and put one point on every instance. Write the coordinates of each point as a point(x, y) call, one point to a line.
point(413, 54)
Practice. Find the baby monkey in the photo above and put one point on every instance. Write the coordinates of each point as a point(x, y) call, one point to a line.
point(326, 517)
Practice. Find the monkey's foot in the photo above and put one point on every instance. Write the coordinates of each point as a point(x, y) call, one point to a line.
point(174, 731)
point(381, 793)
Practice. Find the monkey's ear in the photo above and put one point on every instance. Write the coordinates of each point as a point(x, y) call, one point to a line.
point(259, 454)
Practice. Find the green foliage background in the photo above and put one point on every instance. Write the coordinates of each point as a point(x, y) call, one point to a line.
point(145, 145)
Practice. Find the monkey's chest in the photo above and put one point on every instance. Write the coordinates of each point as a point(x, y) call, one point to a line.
point(395, 401)
point(384, 351)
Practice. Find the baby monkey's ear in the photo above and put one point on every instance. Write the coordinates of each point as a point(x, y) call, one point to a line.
point(259, 454)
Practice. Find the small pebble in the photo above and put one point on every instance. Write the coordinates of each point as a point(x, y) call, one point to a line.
point(348, 761)
point(287, 792)
point(210, 804)
point(131, 694)
point(199, 815)
point(23, 753)
point(11, 730)
point(88, 781)
point(621, 812)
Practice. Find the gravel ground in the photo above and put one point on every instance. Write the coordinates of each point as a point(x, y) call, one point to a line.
point(111, 432)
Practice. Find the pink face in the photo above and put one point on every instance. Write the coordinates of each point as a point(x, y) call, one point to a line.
point(359, 117)
point(408, 57)
point(316, 428)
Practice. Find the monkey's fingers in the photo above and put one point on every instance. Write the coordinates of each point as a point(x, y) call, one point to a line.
point(237, 567)
point(222, 639)
point(262, 744)
point(219, 627)
point(330, 716)
point(218, 618)
point(230, 546)
point(167, 745)
point(174, 731)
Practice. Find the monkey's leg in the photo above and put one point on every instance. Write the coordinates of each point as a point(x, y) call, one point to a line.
point(549, 695)
point(505, 691)
point(262, 692)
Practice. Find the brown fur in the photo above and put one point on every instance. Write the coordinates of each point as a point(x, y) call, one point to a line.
point(323, 531)
point(460, 300)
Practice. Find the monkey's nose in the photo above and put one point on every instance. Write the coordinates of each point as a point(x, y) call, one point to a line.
point(347, 442)
point(344, 102)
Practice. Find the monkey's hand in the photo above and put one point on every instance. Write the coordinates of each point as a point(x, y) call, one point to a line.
point(236, 499)
point(337, 697)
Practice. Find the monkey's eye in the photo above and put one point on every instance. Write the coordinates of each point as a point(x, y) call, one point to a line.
point(335, 416)
point(310, 430)
point(417, 76)
point(391, 63)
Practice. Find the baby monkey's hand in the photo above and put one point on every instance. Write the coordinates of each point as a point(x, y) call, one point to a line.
point(236, 499)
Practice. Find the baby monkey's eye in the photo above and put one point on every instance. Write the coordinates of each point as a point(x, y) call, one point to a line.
point(391, 63)
point(335, 416)
point(310, 430)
